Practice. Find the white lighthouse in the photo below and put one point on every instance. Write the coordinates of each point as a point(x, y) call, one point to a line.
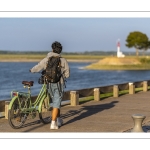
point(119, 53)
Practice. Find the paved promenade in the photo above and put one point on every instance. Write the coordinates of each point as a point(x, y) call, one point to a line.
point(108, 115)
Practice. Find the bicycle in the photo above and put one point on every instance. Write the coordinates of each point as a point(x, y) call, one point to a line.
point(21, 105)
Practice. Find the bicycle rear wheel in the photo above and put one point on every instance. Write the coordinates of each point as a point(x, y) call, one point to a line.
point(44, 114)
point(15, 117)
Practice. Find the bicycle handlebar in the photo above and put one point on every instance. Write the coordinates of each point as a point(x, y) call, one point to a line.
point(41, 72)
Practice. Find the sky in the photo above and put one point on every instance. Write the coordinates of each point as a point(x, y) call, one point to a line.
point(75, 34)
point(78, 26)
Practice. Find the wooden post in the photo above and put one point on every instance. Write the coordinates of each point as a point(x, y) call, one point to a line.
point(131, 88)
point(6, 109)
point(96, 94)
point(145, 86)
point(74, 98)
point(115, 91)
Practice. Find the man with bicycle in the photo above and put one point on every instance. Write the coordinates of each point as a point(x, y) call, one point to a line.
point(55, 90)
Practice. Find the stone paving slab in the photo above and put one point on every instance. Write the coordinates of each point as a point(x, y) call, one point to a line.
point(108, 115)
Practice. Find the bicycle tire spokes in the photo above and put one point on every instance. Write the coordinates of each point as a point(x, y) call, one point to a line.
point(16, 117)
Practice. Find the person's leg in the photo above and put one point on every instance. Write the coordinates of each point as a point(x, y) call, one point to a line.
point(59, 119)
point(54, 119)
point(55, 113)
point(56, 106)
point(58, 113)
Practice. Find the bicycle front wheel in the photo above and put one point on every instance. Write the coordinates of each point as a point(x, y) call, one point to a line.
point(45, 115)
point(15, 117)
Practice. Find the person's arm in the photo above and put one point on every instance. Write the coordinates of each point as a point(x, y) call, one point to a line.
point(41, 65)
point(66, 69)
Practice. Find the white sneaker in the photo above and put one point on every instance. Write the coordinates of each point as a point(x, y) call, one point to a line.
point(53, 126)
point(59, 122)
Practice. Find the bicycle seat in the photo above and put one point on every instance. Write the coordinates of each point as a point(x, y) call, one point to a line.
point(29, 83)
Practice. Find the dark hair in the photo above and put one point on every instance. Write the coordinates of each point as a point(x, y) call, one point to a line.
point(57, 47)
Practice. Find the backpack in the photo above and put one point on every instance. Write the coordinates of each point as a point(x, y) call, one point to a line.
point(53, 70)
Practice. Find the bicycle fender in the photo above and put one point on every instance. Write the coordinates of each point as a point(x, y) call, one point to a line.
point(11, 102)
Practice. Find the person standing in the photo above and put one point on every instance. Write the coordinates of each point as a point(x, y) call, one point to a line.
point(56, 90)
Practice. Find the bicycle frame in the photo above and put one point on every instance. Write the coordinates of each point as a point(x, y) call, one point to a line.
point(22, 105)
point(32, 106)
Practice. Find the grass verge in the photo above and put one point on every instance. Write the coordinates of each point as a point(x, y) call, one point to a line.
point(38, 57)
point(106, 95)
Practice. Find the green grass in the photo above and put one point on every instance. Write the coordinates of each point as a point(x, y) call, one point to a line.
point(41, 56)
point(106, 95)
point(97, 57)
point(20, 56)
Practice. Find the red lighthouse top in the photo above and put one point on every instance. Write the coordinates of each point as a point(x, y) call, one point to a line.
point(118, 44)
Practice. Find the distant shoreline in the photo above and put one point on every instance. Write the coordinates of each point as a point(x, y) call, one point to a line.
point(33, 60)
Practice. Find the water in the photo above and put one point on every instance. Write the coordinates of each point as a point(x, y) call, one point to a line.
point(13, 73)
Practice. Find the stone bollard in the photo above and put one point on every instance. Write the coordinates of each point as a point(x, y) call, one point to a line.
point(138, 119)
point(145, 86)
point(96, 94)
point(115, 91)
point(6, 109)
point(74, 98)
point(131, 88)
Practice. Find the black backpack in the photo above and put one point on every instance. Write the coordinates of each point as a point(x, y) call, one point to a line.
point(53, 69)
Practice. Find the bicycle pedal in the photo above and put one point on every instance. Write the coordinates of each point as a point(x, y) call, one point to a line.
point(33, 115)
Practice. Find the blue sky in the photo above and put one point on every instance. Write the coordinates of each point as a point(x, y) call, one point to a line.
point(75, 34)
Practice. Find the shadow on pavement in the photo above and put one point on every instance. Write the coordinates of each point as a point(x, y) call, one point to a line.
point(84, 112)
point(87, 111)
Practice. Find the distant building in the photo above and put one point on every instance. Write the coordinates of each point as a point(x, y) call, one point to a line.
point(119, 53)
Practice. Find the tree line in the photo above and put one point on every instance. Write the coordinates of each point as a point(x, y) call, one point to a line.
point(139, 41)
point(103, 53)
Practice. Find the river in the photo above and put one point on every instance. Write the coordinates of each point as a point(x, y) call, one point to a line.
point(13, 73)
